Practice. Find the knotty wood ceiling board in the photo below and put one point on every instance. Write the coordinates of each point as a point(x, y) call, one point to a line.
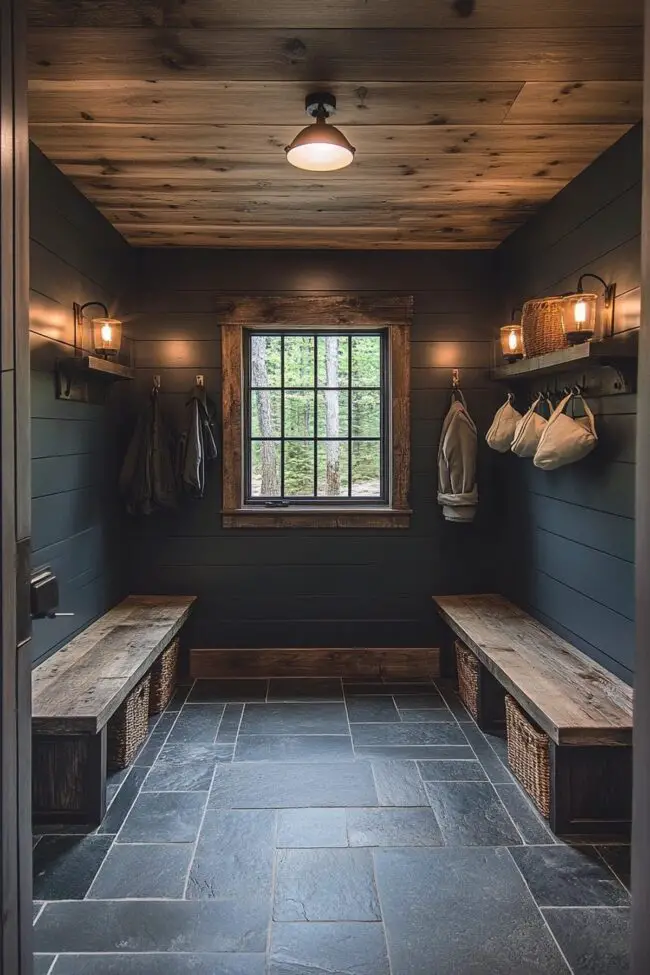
point(468, 115)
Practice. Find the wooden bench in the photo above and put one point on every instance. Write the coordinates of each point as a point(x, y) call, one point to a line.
point(77, 690)
point(585, 711)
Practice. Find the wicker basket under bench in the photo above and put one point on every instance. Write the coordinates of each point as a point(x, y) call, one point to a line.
point(569, 721)
point(91, 703)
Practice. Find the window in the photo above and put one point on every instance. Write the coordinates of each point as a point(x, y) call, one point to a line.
point(316, 415)
point(316, 425)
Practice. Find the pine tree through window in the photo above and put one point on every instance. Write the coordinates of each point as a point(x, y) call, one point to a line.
point(316, 417)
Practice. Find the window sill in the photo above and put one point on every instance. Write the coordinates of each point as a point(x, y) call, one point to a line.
point(296, 517)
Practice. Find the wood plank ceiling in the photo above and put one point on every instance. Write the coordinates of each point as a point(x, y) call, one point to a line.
point(467, 115)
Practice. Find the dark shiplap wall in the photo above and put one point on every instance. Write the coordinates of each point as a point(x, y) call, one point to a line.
point(75, 256)
point(571, 553)
point(319, 588)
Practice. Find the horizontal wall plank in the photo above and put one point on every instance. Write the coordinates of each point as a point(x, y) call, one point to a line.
point(603, 578)
point(604, 532)
point(610, 632)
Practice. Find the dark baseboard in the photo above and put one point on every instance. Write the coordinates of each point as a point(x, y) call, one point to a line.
point(392, 663)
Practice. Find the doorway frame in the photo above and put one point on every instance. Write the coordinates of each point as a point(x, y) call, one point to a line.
point(15, 499)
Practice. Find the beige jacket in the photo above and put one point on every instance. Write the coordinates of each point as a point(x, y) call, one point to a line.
point(457, 491)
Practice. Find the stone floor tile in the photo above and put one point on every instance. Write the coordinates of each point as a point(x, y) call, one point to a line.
point(121, 804)
point(325, 885)
point(146, 926)
point(65, 866)
point(294, 748)
point(143, 871)
point(269, 785)
point(164, 817)
point(295, 719)
point(162, 964)
point(343, 948)
point(438, 733)
point(566, 876)
point(595, 941)
point(305, 828)
point(617, 857)
point(372, 708)
point(413, 752)
point(43, 964)
point(533, 828)
point(230, 723)
point(393, 827)
point(197, 723)
point(234, 855)
point(221, 691)
point(448, 770)
point(453, 911)
point(398, 783)
point(471, 814)
point(317, 689)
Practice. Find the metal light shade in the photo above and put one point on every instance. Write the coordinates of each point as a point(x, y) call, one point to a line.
point(579, 317)
point(320, 148)
point(512, 342)
point(107, 336)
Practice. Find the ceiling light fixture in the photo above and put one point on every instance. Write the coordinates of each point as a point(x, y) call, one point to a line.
point(320, 147)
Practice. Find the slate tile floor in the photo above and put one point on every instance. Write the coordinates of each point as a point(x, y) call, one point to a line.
point(320, 827)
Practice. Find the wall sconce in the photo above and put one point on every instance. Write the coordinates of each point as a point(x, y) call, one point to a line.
point(512, 340)
point(580, 311)
point(106, 331)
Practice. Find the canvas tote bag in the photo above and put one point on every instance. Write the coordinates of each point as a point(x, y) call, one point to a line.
point(530, 429)
point(499, 436)
point(566, 439)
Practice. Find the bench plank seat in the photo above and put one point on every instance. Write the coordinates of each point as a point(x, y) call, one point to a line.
point(572, 698)
point(79, 688)
point(585, 711)
point(77, 691)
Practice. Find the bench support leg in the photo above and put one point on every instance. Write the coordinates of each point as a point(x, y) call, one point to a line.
point(591, 789)
point(491, 702)
point(69, 779)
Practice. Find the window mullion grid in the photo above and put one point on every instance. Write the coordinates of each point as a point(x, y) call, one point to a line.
point(349, 416)
point(282, 417)
point(315, 416)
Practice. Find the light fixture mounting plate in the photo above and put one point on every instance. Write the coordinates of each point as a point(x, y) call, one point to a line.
point(320, 102)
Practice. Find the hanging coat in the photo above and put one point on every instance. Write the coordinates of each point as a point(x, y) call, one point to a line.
point(198, 443)
point(148, 478)
point(457, 491)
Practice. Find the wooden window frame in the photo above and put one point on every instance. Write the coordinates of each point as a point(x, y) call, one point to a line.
point(338, 313)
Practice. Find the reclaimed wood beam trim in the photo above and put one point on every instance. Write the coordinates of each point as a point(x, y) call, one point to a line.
point(231, 398)
point(308, 311)
point(400, 386)
point(359, 663)
point(261, 518)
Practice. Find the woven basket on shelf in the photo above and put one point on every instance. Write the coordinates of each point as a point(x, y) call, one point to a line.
point(467, 669)
point(163, 678)
point(127, 729)
point(528, 756)
point(541, 322)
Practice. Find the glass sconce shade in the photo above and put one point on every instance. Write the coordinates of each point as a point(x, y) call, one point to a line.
point(512, 342)
point(579, 317)
point(107, 336)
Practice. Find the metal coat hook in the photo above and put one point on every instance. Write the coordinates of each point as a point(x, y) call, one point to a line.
point(156, 382)
point(200, 381)
point(455, 378)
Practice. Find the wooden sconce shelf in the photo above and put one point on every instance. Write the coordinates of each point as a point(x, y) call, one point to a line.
point(618, 353)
